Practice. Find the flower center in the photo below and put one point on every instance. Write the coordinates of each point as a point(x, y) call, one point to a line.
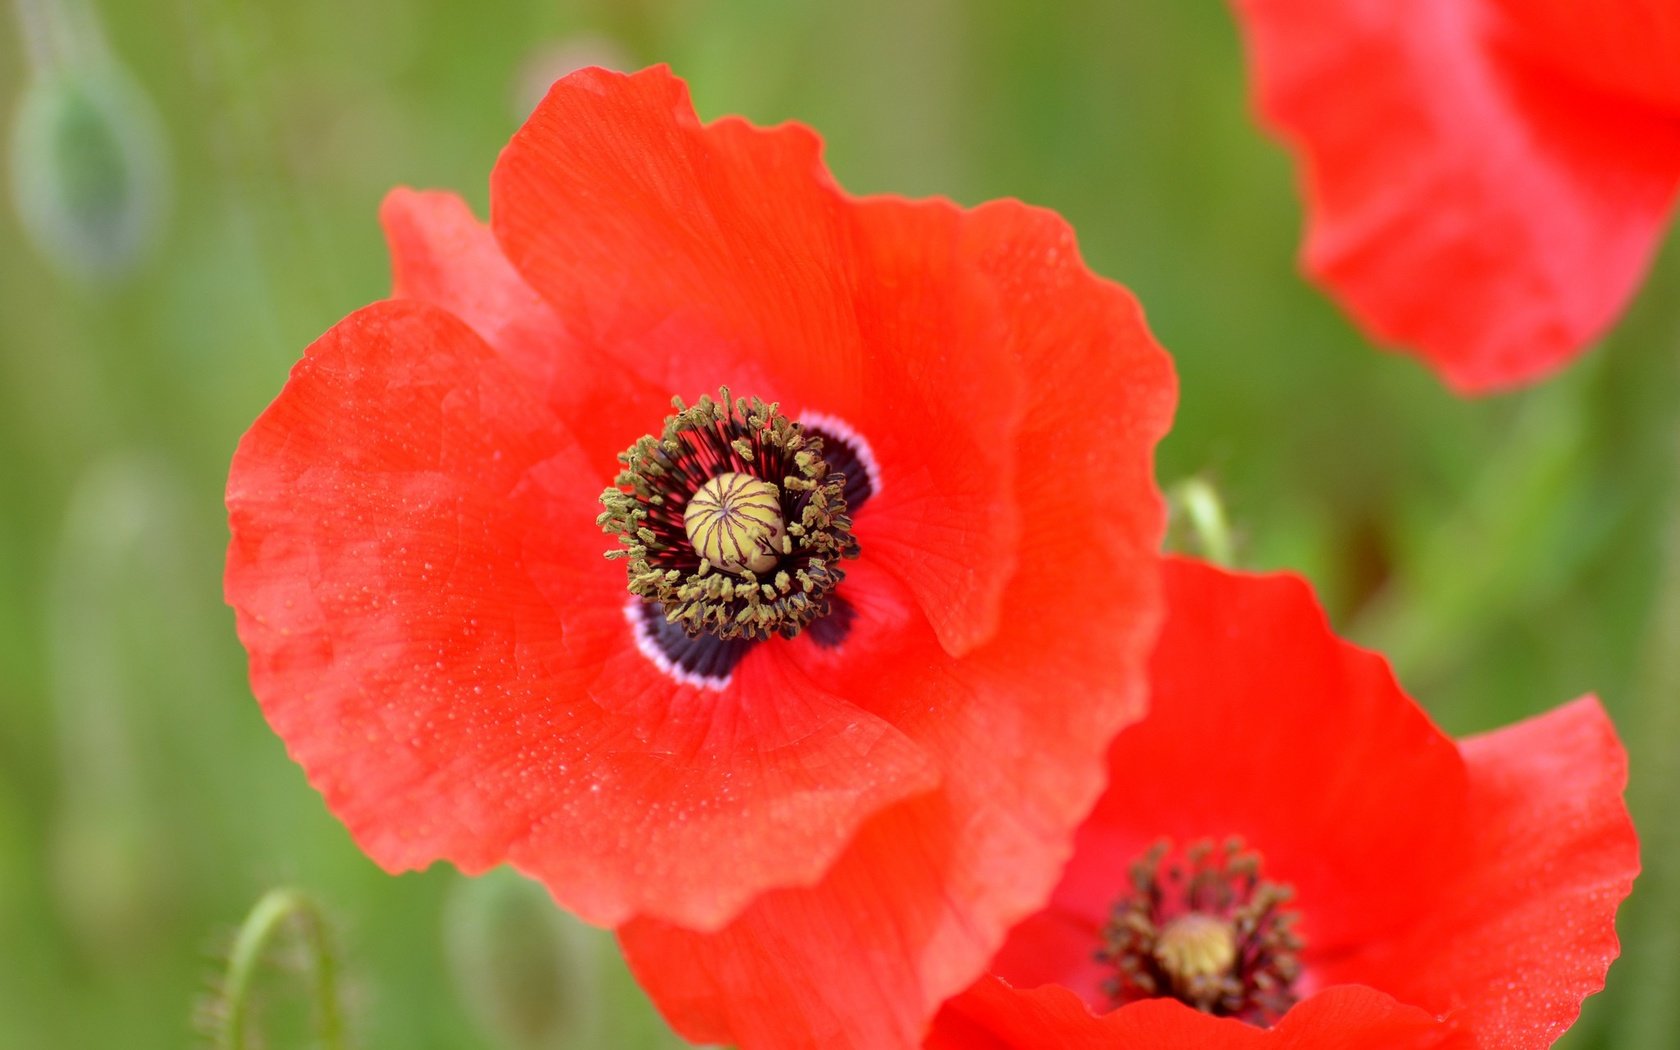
point(1194, 948)
point(731, 521)
point(1207, 931)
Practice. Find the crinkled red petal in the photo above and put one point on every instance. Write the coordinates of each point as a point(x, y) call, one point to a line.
point(441, 254)
point(1527, 929)
point(1464, 199)
point(695, 255)
point(911, 912)
point(434, 633)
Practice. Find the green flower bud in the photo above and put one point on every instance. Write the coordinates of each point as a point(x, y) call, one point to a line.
point(89, 170)
point(529, 973)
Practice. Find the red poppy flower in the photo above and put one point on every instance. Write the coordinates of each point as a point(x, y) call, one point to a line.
point(1486, 180)
point(1290, 855)
point(811, 663)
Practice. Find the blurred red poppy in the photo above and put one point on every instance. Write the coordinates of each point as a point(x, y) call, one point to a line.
point(1486, 180)
point(1291, 855)
point(907, 645)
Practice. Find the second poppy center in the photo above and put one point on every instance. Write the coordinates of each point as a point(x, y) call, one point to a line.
point(1206, 930)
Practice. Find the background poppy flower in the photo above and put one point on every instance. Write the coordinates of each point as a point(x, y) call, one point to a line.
point(1486, 180)
point(417, 566)
point(1422, 893)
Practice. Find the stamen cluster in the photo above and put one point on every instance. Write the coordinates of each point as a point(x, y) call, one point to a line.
point(1208, 932)
point(777, 591)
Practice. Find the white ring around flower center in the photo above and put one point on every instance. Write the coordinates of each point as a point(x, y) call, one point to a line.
point(847, 433)
point(648, 646)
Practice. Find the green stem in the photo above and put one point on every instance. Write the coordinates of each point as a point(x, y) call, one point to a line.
point(270, 915)
point(1196, 503)
point(1642, 1010)
point(1653, 949)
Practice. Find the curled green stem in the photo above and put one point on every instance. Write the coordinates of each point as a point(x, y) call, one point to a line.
point(274, 913)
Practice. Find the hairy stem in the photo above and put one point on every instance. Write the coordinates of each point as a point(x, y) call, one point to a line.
point(275, 912)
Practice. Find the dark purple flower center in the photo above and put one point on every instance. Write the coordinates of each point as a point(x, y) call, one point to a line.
point(732, 523)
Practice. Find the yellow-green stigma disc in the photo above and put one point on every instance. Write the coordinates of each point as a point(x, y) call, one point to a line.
point(735, 523)
point(1196, 947)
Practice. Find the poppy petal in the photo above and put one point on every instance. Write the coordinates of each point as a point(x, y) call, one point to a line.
point(1555, 853)
point(947, 468)
point(433, 631)
point(994, 1016)
point(690, 254)
point(1626, 48)
point(928, 889)
point(858, 961)
point(1463, 201)
point(441, 254)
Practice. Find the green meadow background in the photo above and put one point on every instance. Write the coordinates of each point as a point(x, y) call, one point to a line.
point(192, 195)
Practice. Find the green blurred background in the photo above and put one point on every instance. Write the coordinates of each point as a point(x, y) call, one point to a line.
point(1508, 553)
